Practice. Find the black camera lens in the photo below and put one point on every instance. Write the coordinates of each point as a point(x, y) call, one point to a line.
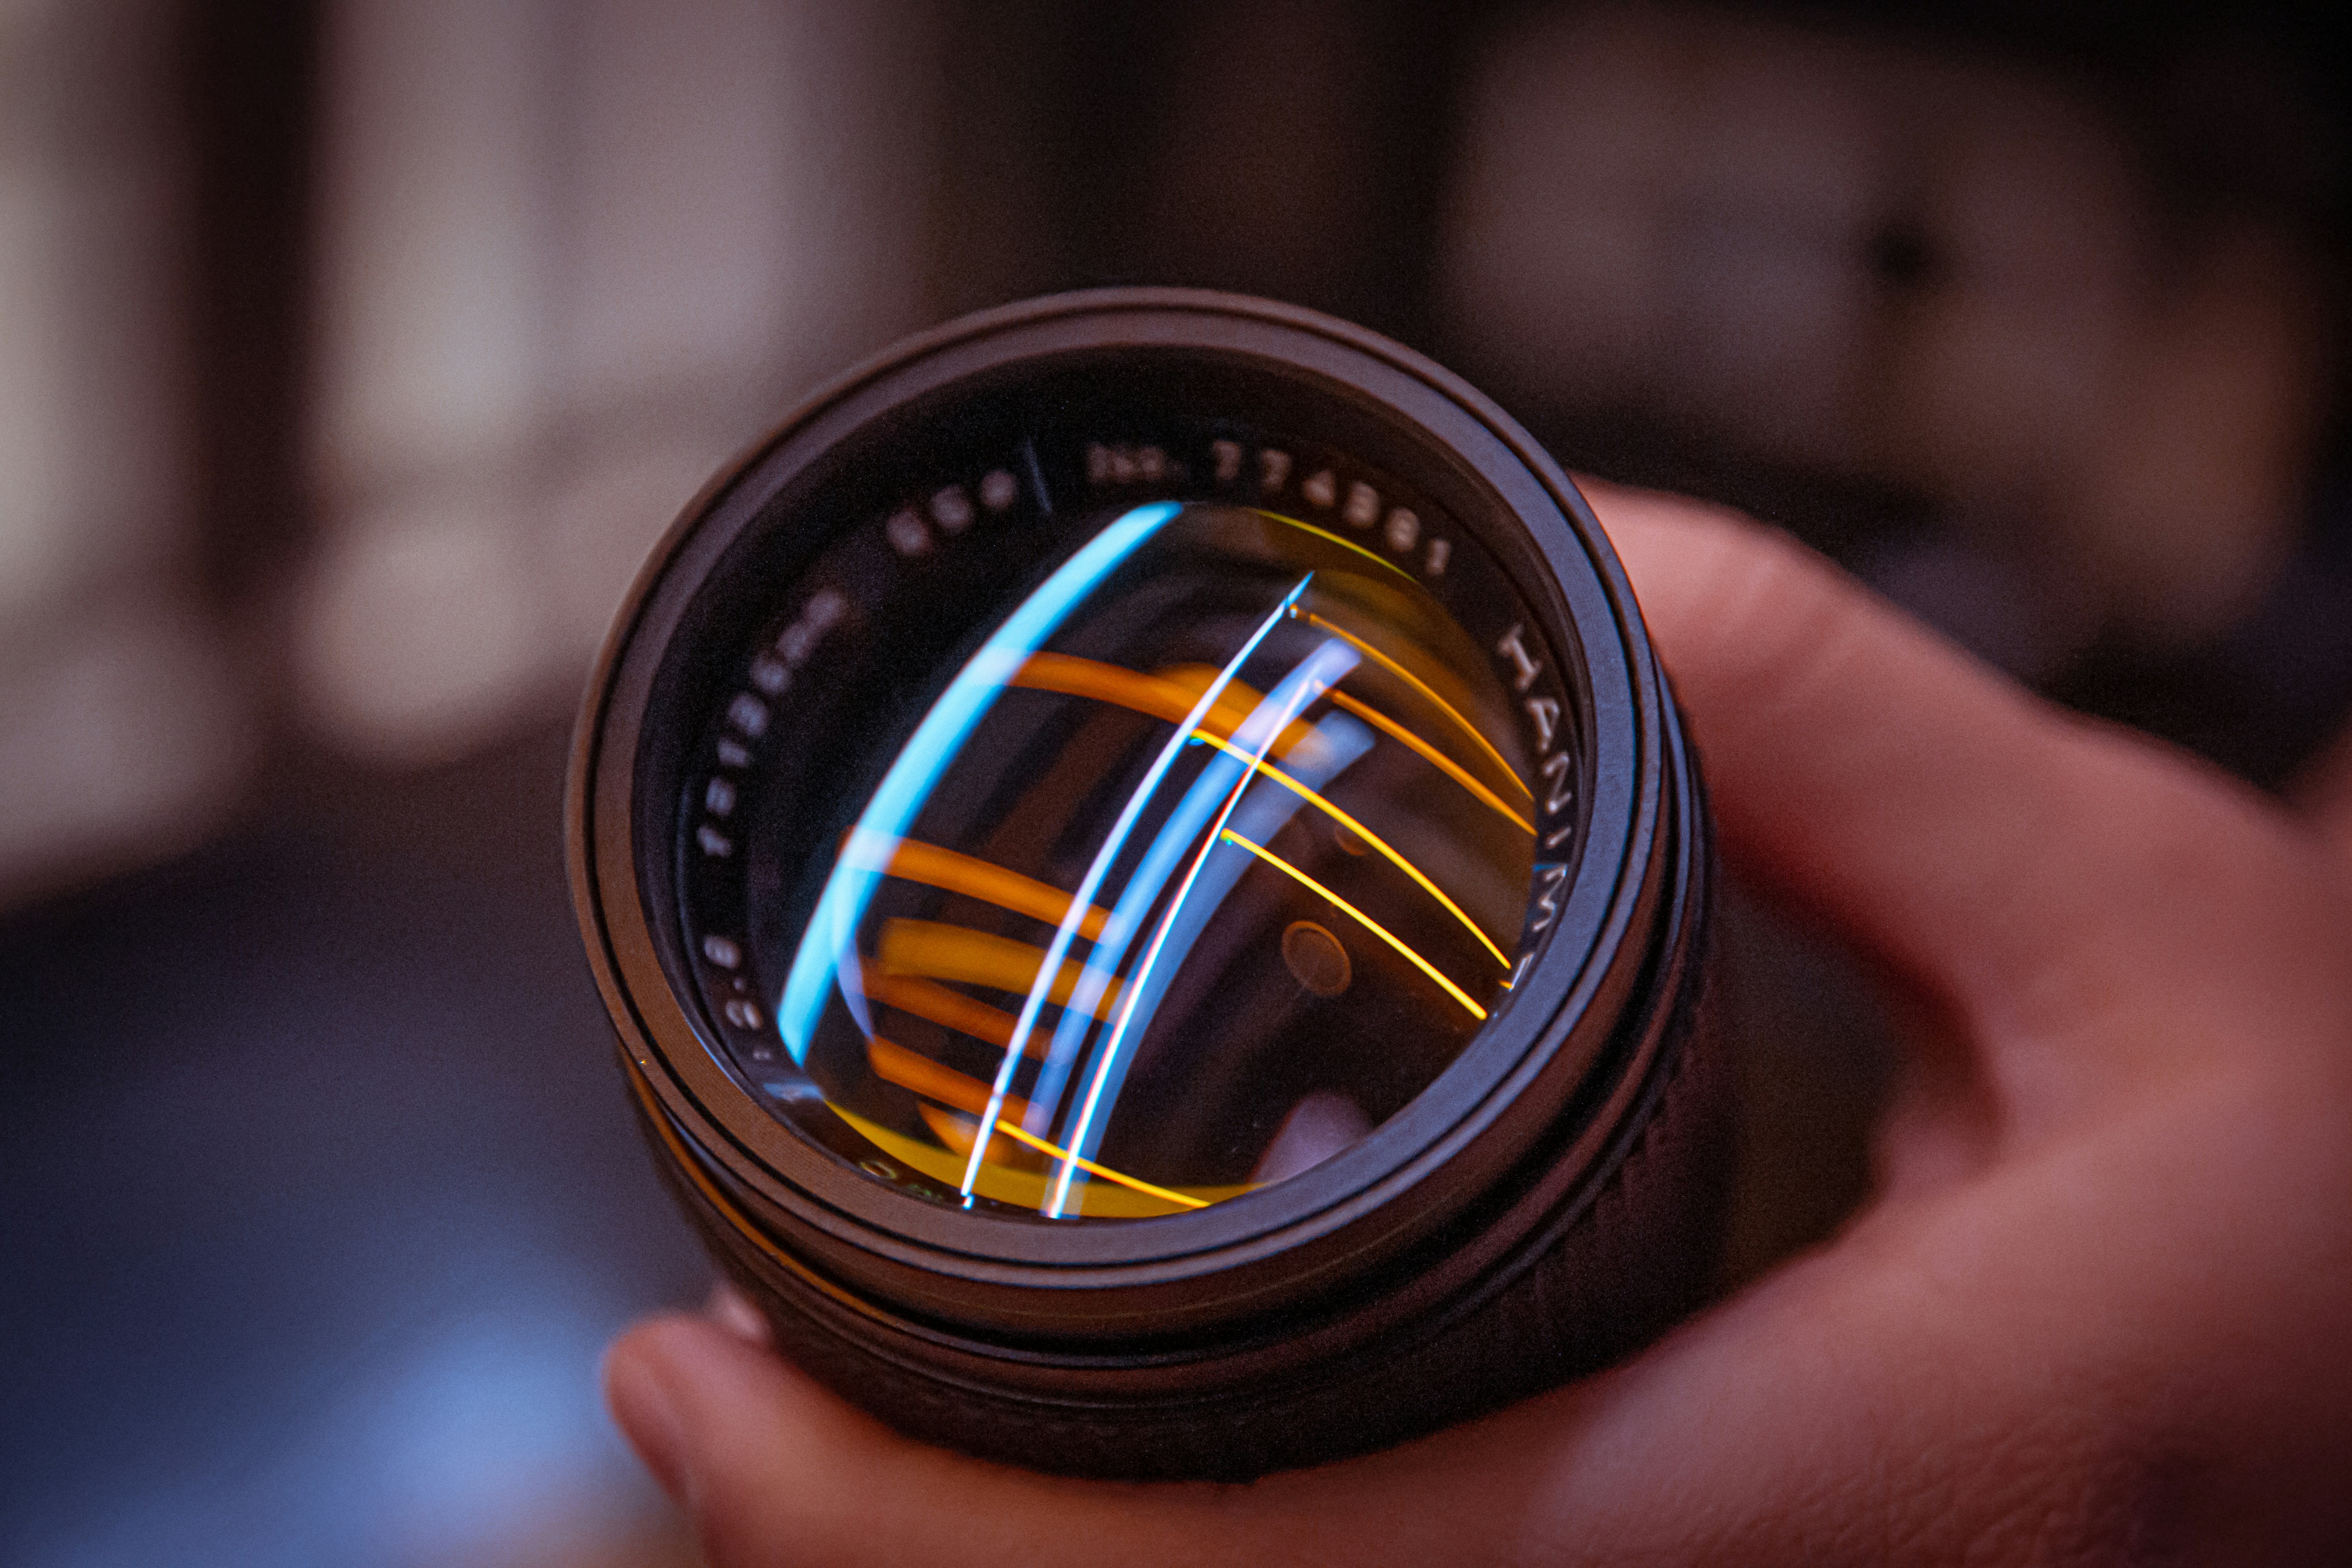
point(1120, 896)
point(1154, 897)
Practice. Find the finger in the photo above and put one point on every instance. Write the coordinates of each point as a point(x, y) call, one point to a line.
point(1918, 1395)
point(1759, 1436)
point(2067, 1363)
point(2047, 879)
point(729, 1309)
point(774, 1469)
point(2325, 792)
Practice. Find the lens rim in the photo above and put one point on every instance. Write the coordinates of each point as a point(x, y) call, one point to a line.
point(1540, 1061)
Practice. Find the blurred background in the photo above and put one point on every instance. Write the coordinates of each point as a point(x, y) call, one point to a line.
point(354, 351)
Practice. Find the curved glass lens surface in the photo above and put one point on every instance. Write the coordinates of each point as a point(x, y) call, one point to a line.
point(1213, 852)
point(1201, 867)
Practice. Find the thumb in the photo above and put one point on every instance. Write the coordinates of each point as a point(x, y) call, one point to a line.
point(773, 1469)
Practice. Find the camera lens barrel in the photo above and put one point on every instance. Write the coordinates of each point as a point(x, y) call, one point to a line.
point(1154, 897)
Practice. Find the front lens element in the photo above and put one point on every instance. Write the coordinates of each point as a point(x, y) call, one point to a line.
point(1203, 858)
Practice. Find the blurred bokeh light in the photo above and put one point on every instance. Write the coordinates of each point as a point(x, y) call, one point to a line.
point(353, 352)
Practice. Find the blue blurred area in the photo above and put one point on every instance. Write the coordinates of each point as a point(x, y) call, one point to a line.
point(320, 1197)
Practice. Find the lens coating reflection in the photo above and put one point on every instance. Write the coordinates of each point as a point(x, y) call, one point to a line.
point(1205, 864)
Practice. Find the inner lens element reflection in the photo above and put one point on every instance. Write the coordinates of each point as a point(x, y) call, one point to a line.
point(1209, 860)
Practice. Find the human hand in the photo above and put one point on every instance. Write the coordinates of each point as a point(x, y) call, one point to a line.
point(2099, 1306)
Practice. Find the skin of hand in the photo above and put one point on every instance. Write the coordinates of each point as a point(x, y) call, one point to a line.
point(2098, 1308)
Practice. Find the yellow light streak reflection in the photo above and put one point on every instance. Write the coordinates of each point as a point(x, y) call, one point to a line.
point(1171, 694)
point(1010, 1183)
point(913, 862)
point(974, 958)
point(1057, 1152)
point(1378, 560)
point(1402, 673)
point(1387, 851)
point(1196, 678)
point(896, 1064)
point(1369, 925)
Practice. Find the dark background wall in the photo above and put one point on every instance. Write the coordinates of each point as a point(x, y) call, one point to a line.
point(351, 353)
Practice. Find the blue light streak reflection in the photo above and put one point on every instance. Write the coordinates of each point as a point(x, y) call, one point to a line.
point(1105, 855)
point(1339, 742)
point(827, 950)
point(1308, 681)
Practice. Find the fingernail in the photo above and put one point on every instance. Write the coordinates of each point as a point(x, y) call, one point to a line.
point(731, 1311)
point(648, 1415)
